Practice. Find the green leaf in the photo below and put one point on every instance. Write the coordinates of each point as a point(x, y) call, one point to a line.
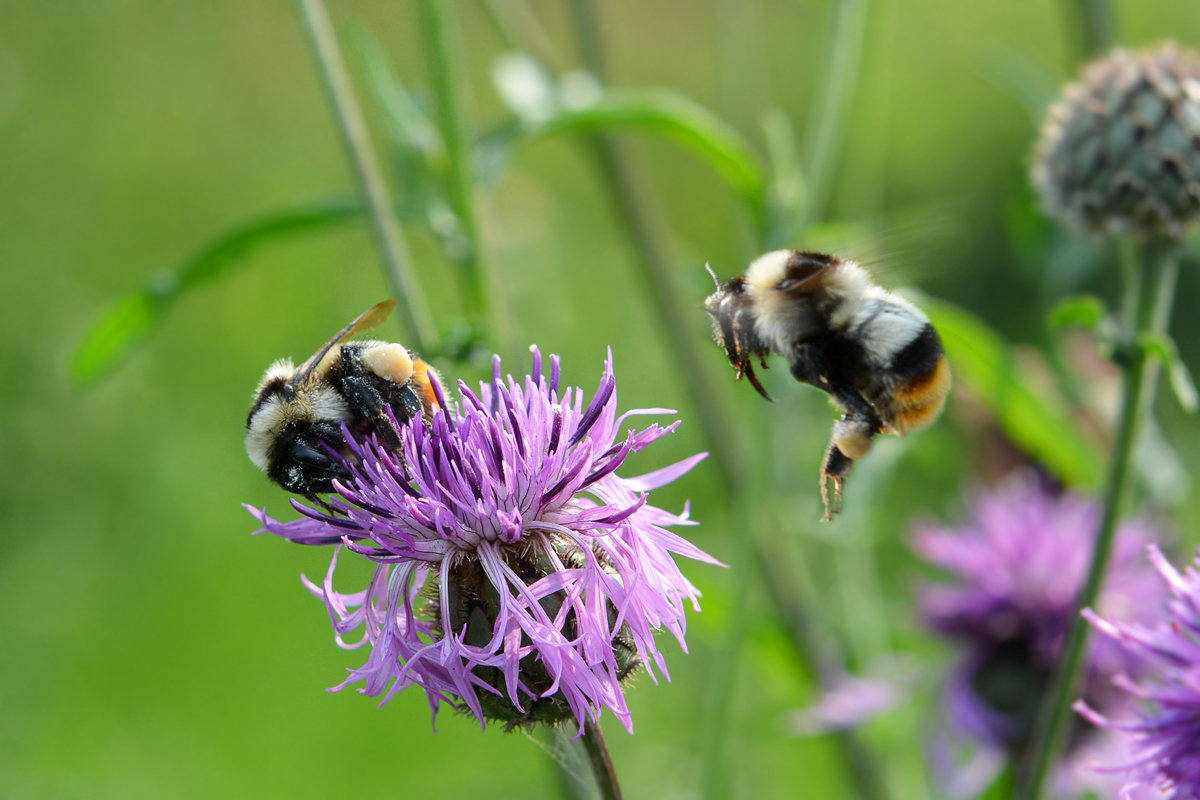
point(982, 360)
point(130, 321)
point(675, 118)
point(114, 335)
point(1182, 384)
point(1083, 311)
point(1178, 375)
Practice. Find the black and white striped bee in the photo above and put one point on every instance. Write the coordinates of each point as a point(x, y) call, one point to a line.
point(875, 354)
point(298, 411)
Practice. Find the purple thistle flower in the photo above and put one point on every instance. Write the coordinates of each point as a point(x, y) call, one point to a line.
point(1166, 734)
point(517, 575)
point(1019, 562)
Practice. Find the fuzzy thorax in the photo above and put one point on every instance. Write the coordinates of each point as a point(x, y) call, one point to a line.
point(842, 299)
point(275, 413)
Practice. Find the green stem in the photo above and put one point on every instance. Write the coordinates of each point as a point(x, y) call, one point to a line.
point(831, 112)
point(1154, 290)
point(601, 761)
point(436, 31)
point(389, 242)
point(1095, 21)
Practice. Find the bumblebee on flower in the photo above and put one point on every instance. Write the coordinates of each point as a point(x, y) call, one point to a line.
point(517, 575)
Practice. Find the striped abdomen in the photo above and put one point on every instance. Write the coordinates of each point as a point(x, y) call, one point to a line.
point(909, 389)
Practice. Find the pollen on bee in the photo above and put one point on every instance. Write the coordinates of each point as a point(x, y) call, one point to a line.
point(390, 361)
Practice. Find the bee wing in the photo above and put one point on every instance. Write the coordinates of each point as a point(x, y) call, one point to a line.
point(321, 360)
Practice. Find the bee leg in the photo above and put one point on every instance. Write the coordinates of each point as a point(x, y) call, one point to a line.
point(320, 501)
point(834, 470)
point(849, 441)
point(404, 402)
point(369, 404)
point(809, 364)
point(851, 437)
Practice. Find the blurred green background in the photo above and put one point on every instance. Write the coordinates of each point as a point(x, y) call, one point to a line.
point(153, 648)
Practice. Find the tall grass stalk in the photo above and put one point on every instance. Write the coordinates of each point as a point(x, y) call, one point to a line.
point(389, 242)
point(1148, 299)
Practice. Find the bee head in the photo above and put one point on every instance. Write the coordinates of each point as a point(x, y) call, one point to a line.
point(733, 318)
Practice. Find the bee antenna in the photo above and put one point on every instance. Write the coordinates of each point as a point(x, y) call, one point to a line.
point(716, 280)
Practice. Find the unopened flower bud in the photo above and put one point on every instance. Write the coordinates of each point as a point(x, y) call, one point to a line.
point(1121, 150)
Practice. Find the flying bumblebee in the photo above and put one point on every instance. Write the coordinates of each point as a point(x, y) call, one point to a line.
point(875, 354)
point(298, 410)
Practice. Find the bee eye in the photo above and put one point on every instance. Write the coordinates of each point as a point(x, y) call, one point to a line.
point(308, 455)
point(788, 284)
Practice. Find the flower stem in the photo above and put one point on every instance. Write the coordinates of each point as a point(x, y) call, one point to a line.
point(1095, 22)
point(389, 242)
point(1152, 291)
point(601, 761)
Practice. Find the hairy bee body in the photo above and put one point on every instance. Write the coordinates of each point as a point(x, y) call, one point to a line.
point(297, 415)
point(875, 354)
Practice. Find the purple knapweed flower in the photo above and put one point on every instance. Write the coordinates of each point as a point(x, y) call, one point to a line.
point(517, 575)
point(1165, 734)
point(1019, 562)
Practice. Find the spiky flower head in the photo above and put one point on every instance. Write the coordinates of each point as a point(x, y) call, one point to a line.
point(1018, 563)
point(517, 575)
point(1166, 733)
point(1120, 151)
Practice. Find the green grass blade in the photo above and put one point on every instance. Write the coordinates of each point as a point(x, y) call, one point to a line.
point(112, 337)
point(130, 321)
point(672, 117)
point(982, 360)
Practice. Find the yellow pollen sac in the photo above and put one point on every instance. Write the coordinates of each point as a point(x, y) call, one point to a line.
point(390, 361)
